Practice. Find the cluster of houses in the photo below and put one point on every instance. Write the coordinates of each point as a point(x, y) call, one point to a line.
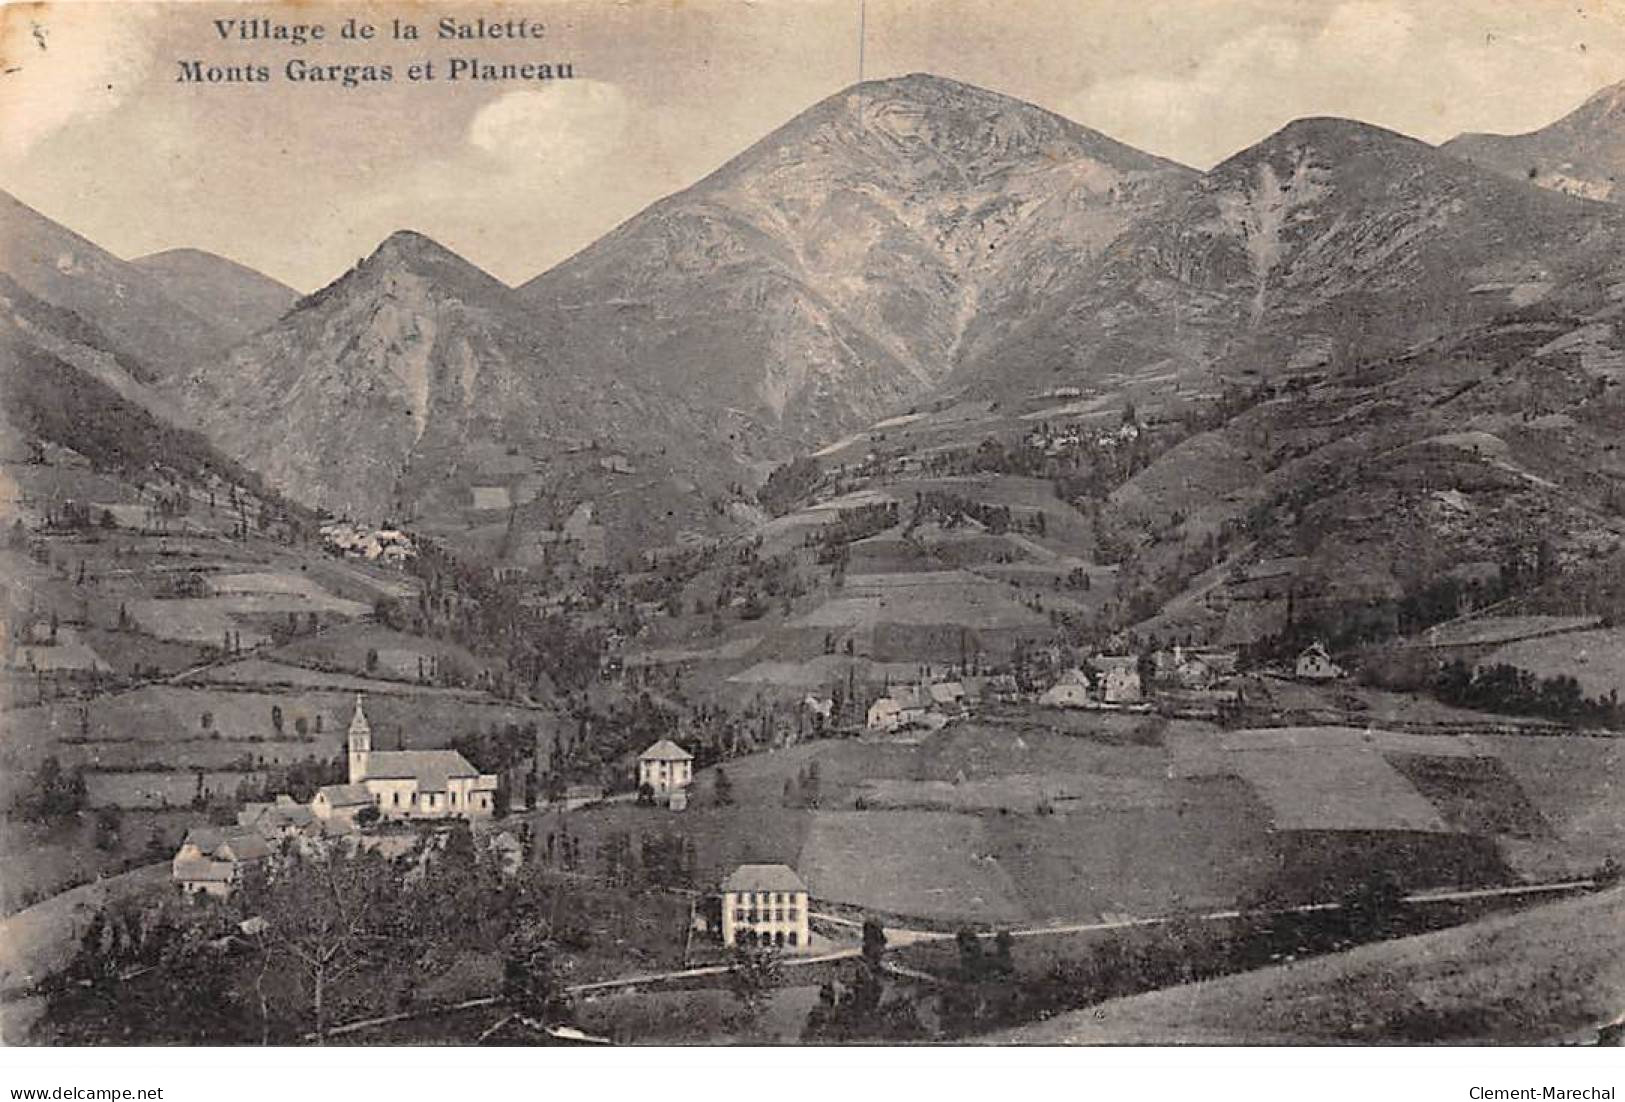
point(931, 705)
point(390, 546)
point(933, 702)
point(1056, 440)
point(1178, 677)
point(393, 784)
point(1107, 680)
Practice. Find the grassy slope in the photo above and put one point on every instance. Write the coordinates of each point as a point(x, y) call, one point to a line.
point(1540, 975)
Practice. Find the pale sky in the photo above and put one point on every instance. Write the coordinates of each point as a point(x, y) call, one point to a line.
point(301, 179)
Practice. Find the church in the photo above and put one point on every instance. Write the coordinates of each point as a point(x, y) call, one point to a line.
point(406, 784)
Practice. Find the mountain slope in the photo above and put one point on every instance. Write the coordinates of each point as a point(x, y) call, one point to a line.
point(1582, 154)
point(833, 268)
point(828, 271)
point(367, 396)
point(127, 304)
point(1328, 242)
point(234, 298)
point(65, 383)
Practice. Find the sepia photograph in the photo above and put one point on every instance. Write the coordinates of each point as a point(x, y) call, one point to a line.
point(738, 524)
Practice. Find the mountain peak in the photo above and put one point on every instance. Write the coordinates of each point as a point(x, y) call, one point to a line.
point(1333, 134)
point(233, 296)
point(411, 248)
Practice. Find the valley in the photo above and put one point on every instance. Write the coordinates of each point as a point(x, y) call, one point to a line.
point(1116, 583)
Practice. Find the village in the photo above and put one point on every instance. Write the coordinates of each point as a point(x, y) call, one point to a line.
point(766, 903)
point(871, 742)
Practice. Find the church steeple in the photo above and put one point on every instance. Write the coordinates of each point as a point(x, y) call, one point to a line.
point(360, 743)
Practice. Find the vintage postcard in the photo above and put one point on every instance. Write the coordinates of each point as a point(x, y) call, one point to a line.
point(813, 522)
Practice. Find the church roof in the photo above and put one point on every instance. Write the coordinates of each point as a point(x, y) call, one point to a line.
point(430, 768)
point(763, 878)
point(665, 750)
point(345, 795)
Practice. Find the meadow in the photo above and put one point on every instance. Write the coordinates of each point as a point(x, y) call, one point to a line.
point(1547, 974)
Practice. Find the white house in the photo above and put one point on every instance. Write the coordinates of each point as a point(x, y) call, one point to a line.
point(666, 768)
point(904, 705)
point(1066, 694)
point(821, 707)
point(766, 904)
point(1119, 678)
point(1314, 664)
point(885, 714)
point(406, 784)
point(1121, 686)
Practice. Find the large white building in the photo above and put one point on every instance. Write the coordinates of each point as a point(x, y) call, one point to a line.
point(406, 784)
point(765, 904)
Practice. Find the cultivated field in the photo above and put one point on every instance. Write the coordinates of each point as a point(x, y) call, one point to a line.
point(908, 863)
point(926, 598)
point(397, 656)
point(1596, 659)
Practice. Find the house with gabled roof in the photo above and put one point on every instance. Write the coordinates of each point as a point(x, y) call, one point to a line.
point(212, 860)
point(281, 818)
point(1315, 664)
point(666, 768)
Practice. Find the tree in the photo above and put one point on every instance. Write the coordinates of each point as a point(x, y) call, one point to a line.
point(874, 942)
point(53, 793)
point(860, 1011)
point(328, 915)
point(147, 974)
point(753, 973)
point(810, 785)
point(276, 718)
point(529, 979)
point(722, 789)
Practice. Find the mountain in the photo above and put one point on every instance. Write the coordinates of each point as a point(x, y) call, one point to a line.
point(829, 271)
point(1582, 154)
point(1327, 243)
point(234, 298)
point(129, 306)
point(68, 385)
point(834, 268)
point(369, 397)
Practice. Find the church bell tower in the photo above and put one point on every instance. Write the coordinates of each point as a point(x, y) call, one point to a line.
point(360, 743)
